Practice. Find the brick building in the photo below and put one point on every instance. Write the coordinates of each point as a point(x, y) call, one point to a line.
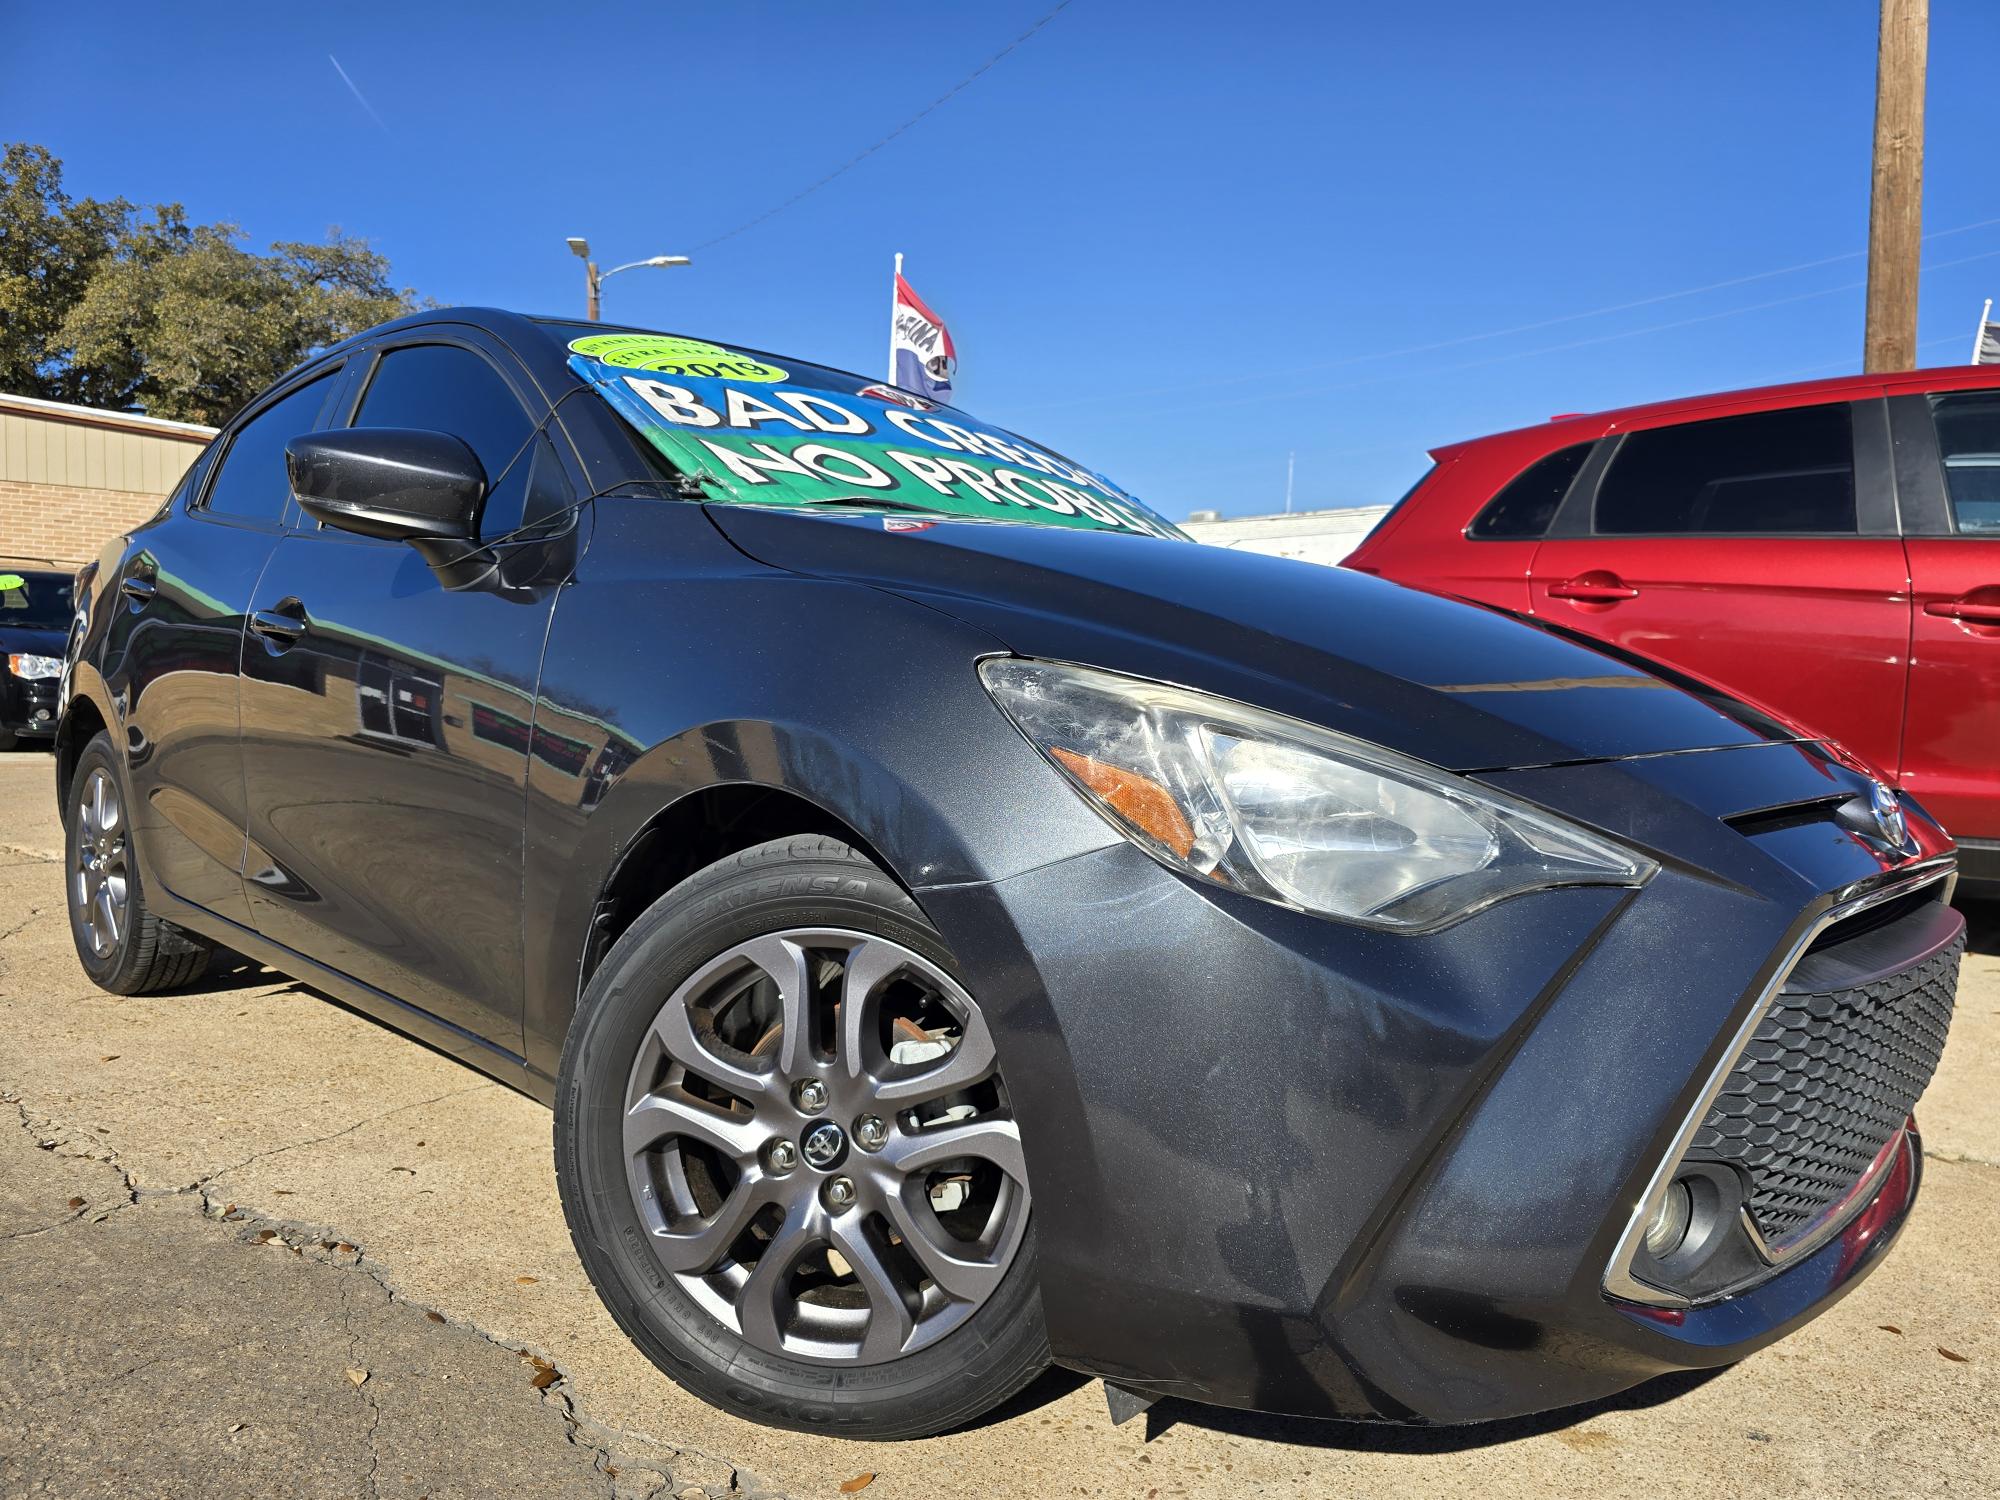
point(72, 477)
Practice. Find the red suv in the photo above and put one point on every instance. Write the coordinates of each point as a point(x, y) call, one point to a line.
point(1829, 551)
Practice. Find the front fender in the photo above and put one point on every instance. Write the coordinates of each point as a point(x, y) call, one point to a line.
point(665, 679)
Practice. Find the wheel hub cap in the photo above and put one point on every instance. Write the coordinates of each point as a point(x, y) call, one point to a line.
point(823, 1145)
point(915, 1232)
point(99, 885)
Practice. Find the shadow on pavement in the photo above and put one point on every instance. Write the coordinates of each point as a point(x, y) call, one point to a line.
point(1982, 924)
point(232, 971)
point(1383, 1437)
point(1050, 1386)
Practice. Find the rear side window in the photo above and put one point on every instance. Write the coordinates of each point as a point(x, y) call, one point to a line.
point(253, 483)
point(1767, 474)
point(1968, 433)
point(1524, 509)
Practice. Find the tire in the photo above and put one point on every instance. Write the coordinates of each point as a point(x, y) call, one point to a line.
point(135, 952)
point(952, 1248)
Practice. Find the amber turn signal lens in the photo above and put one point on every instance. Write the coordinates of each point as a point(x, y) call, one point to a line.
point(1139, 800)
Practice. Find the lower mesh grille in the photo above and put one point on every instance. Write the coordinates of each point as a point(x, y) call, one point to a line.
point(1826, 1082)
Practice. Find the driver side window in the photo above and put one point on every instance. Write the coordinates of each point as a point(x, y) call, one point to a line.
point(447, 388)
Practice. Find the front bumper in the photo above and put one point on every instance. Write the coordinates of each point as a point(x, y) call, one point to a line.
point(1292, 1165)
point(27, 704)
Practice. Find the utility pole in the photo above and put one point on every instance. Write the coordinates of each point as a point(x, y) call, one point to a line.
point(1290, 459)
point(1896, 201)
point(590, 290)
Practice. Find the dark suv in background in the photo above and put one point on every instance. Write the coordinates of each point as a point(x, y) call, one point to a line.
point(35, 616)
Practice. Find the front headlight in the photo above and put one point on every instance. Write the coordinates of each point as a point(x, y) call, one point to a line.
point(1289, 812)
point(35, 666)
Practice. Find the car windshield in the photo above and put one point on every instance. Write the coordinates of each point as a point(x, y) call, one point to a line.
point(38, 601)
point(757, 429)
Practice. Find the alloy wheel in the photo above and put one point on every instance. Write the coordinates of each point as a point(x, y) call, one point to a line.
point(100, 886)
point(821, 1148)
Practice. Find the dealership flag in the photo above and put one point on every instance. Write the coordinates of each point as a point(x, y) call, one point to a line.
point(921, 358)
point(1986, 347)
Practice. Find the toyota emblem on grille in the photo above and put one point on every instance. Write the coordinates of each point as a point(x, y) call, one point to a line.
point(1888, 816)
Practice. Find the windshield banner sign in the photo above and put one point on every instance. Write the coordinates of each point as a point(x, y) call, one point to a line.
point(758, 436)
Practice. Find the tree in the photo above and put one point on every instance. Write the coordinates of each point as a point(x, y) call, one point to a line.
point(150, 311)
point(49, 249)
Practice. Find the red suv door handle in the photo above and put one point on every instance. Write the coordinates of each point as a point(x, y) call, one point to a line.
point(1970, 611)
point(1595, 587)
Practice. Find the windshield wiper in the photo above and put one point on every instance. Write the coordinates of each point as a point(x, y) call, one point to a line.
point(873, 502)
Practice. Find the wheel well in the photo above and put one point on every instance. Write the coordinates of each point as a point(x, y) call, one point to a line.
point(79, 725)
point(693, 834)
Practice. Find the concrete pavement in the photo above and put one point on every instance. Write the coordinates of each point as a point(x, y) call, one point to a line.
point(218, 1207)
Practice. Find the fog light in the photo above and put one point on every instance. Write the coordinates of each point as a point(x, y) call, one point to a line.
point(1669, 1225)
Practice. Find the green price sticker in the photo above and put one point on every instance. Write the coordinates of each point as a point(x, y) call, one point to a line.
point(12, 581)
point(671, 356)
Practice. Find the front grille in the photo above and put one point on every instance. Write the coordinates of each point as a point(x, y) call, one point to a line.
point(1831, 1074)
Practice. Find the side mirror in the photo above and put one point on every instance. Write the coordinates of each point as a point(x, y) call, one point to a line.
point(391, 482)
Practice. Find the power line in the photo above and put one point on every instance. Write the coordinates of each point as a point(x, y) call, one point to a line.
point(1500, 333)
point(861, 156)
point(1831, 367)
point(1602, 338)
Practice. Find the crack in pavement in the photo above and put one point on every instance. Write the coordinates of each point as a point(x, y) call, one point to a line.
point(607, 1445)
point(72, 1215)
point(374, 1406)
point(34, 912)
point(203, 1182)
point(1960, 1158)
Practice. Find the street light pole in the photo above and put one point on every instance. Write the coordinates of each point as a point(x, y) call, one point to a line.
point(594, 280)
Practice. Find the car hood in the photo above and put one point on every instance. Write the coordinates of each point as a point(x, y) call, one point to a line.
point(32, 640)
point(1459, 686)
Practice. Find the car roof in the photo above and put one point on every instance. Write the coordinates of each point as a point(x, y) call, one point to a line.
point(1581, 426)
point(550, 329)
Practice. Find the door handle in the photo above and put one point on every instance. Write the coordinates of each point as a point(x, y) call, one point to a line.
point(1965, 609)
point(1601, 588)
point(280, 628)
point(139, 590)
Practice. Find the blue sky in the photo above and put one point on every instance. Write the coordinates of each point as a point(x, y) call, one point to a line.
point(1174, 240)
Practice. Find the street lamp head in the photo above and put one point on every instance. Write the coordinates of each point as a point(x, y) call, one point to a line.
point(578, 245)
point(669, 260)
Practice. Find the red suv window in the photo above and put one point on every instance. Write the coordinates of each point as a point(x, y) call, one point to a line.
point(1526, 506)
point(1767, 474)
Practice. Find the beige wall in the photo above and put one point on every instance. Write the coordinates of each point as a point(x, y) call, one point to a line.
point(1319, 536)
point(72, 478)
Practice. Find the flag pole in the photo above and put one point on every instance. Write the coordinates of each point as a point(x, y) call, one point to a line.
point(892, 317)
point(1979, 336)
